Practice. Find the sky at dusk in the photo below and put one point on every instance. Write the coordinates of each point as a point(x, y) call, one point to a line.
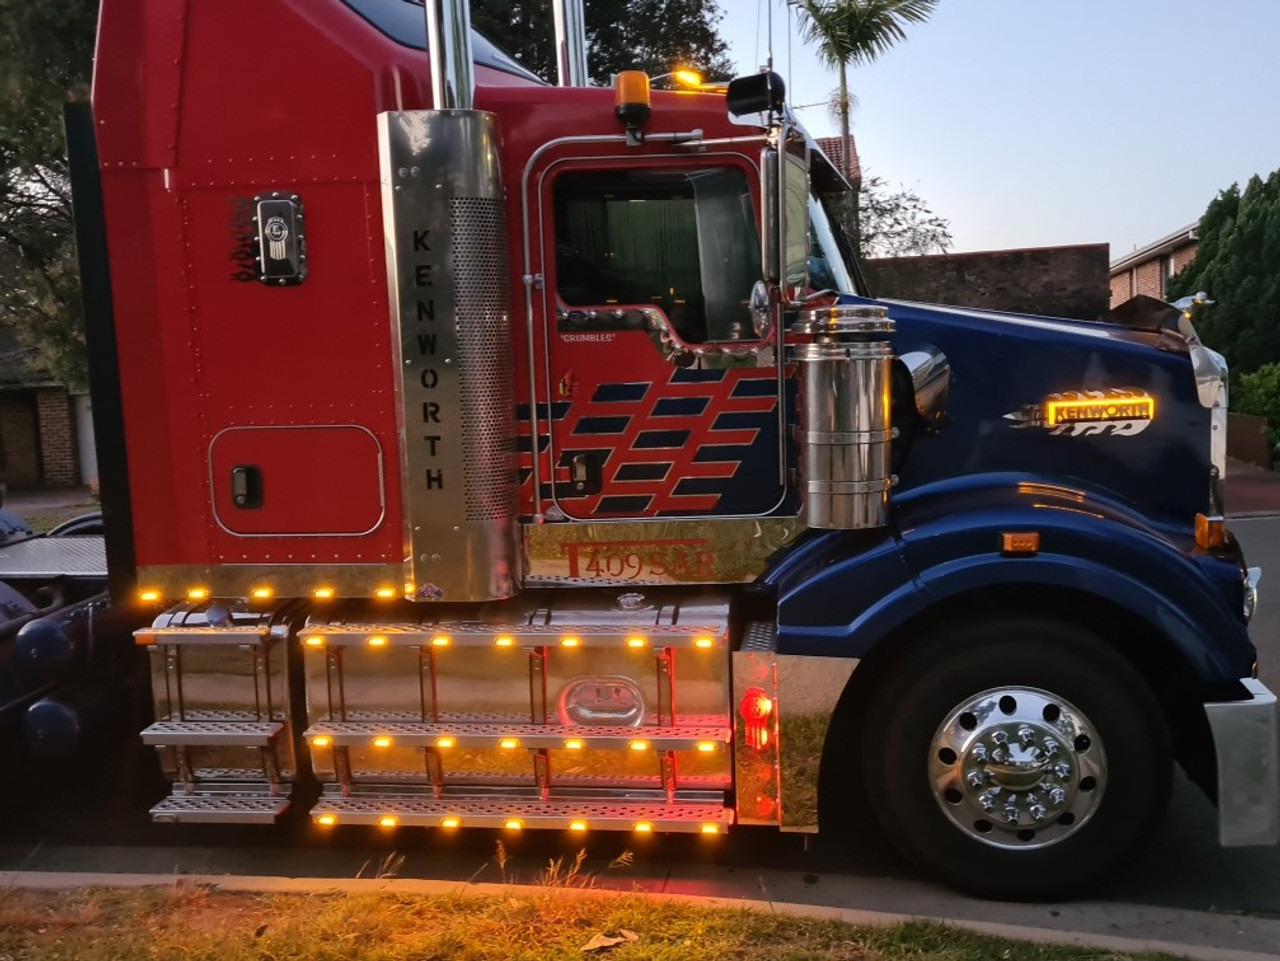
point(1030, 123)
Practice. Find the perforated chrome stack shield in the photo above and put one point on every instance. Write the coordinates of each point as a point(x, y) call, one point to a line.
point(447, 266)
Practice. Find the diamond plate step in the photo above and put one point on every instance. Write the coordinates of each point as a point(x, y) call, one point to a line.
point(220, 809)
point(570, 814)
point(551, 736)
point(212, 733)
point(202, 634)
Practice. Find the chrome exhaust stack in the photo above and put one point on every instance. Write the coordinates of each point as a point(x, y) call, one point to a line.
point(446, 243)
point(844, 429)
point(571, 43)
point(453, 81)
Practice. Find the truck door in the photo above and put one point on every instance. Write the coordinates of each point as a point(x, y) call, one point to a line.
point(664, 401)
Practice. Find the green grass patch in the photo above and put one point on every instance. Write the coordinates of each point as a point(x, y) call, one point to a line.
point(193, 923)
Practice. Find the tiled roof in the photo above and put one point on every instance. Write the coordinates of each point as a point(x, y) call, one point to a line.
point(834, 149)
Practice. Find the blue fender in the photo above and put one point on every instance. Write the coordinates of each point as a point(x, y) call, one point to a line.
point(841, 593)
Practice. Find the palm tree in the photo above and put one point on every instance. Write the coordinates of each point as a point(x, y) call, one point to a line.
point(853, 32)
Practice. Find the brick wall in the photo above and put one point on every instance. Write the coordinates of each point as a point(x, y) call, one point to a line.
point(19, 450)
point(1054, 281)
point(57, 437)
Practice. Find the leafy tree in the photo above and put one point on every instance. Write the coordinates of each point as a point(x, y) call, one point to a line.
point(1259, 394)
point(1238, 265)
point(45, 55)
point(849, 32)
point(894, 222)
point(651, 35)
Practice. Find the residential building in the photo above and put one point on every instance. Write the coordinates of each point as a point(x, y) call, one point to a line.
point(1148, 269)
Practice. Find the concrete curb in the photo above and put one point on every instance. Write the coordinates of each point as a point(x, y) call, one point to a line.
point(63, 881)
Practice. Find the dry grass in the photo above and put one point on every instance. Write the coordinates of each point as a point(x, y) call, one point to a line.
point(187, 923)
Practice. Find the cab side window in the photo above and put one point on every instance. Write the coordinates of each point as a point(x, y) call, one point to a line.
point(682, 240)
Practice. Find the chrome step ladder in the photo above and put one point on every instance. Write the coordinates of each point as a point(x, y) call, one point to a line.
point(606, 715)
point(223, 730)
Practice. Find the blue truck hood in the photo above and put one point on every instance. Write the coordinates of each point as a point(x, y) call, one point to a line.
point(1004, 370)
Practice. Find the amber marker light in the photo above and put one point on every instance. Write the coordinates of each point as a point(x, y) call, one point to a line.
point(508, 744)
point(197, 594)
point(441, 640)
point(320, 741)
point(315, 640)
point(637, 642)
point(643, 827)
point(382, 741)
point(639, 745)
point(388, 822)
point(577, 826)
point(377, 641)
point(570, 641)
point(1211, 532)
point(1020, 542)
point(706, 747)
point(573, 744)
point(322, 593)
point(513, 824)
point(445, 742)
point(704, 642)
point(261, 593)
point(149, 596)
point(504, 640)
point(710, 828)
point(327, 820)
point(386, 593)
point(450, 822)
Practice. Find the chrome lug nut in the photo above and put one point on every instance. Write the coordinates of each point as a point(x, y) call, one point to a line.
point(999, 755)
point(1000, 737)
point(1050, 746)
point(975, 779)
point(1038, 812)
point(1057, 797)
point(979, 753)
point(1062, 769)
point(1026, 736)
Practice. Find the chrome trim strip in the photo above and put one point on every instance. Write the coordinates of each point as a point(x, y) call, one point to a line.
point(1245, 739)
point(382, 479)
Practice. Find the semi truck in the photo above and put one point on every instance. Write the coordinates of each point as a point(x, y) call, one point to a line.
point(478, 452)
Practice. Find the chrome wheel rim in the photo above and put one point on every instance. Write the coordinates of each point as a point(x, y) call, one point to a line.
point(1017, 767)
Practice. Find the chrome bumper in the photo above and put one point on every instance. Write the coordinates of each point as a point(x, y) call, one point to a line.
point(1245, 737)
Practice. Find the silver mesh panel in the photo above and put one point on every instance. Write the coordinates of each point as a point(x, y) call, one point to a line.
point(485, 372)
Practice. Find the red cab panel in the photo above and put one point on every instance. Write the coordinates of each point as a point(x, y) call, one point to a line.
point(297, 480)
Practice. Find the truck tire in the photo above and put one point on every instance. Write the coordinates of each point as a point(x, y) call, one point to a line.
point(1016, 757)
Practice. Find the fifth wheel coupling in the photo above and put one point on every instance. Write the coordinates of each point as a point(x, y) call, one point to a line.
point(844, 429)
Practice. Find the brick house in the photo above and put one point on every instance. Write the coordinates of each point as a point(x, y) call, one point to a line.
point(39, 440)
point(1148, 269)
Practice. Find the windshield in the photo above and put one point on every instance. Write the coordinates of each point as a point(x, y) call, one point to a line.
point(830, 260)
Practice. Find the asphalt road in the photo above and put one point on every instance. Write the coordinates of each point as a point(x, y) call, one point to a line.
point(105, 829)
